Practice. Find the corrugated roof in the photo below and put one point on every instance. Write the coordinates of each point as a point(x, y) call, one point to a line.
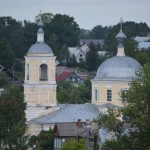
point(70, 113)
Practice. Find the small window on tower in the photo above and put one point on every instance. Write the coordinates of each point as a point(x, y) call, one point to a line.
point(43, 72)
point(27, 71)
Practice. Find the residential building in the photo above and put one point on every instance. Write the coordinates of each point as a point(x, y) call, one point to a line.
point(79, 52)
point(66, 74)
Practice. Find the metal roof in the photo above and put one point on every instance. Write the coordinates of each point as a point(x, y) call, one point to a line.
point(40, 48)
point(70, 113)
point(117, 68)
point(144, 45)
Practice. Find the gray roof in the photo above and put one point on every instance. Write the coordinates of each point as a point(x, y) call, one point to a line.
point(144, 45)
point(40, 48)
point(70, 113)
point(108, 105)
point(117, 68)
point(71, 130)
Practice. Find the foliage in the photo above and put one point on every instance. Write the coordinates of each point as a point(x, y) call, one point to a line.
point(6, 54)
point(92, 58)
point(44, 141)
point(74, 94)
point(136, 114)
point(74, 145)
point(12, 119)
point(3, 79)
point(44, 17)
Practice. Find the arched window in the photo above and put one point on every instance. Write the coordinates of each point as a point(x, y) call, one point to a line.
point(43, 72)
point(27, 71)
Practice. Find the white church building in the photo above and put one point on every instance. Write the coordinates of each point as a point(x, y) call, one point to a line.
point(112, 77)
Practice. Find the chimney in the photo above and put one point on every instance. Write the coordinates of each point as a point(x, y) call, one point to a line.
point(79, 124)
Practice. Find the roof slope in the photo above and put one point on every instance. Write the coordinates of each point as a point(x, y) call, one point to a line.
point(70, 113)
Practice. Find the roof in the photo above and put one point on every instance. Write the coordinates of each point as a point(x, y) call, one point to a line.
point(70, 130)
point(117, 68)
point(144, 45)
point(94, 41)
point(108, 105)
point(141, 39)
point(76, 50)
point(64, 75)
point(70, 113)
point(40, 48)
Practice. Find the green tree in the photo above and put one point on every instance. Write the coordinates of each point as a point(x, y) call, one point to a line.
point(12, 119)
point(44, 141)
point(74, 145)
point(136, 114)
point(44, 17)
point(6, 53)
point(74, 94)
point(3, 79)
point(92, 58)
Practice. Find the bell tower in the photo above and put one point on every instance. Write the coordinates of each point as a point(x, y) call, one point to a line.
point(40, 69)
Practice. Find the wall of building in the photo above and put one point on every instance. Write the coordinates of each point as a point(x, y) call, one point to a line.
point(103, 86)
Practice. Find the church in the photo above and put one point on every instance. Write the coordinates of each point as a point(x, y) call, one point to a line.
point(43, 111)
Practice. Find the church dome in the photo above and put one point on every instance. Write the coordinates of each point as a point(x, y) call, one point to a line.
point(117, 68)
point(120, 67)
point(40, 48)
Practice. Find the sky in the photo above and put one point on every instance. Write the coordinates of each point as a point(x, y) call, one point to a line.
point(87, 13)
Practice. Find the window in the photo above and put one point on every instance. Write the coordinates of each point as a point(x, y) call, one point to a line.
point(27, 71)
point(57, 143)
point(80, 59)
point(96, 94)
point(80, 55)
point(109, 95)
point(43, 72)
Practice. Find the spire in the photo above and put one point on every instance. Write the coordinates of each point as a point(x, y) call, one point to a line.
point(40, 33)
point(121, 22)
point(120, 37)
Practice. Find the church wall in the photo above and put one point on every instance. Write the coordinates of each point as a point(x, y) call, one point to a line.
point(102, 88)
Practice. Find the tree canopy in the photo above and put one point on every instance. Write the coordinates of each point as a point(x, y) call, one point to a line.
point(74, 145)
point(12, 119)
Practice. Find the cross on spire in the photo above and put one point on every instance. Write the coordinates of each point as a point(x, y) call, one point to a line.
point(121, 22)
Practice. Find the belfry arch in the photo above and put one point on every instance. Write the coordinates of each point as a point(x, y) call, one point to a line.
point(43, 72)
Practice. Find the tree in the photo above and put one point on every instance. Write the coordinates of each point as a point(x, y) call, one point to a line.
point(12, 119)
point(44, 17)
point(136, 114)
point(66, 30)
point(6, 53)
point(74, 94)
point(92, 58)
point(44, 141)
point(74, 145)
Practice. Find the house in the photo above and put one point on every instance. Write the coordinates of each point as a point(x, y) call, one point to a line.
point(66, 74)
point(63, 132)
point(79, 52)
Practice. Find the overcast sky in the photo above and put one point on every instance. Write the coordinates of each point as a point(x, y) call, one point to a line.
point(87, 13)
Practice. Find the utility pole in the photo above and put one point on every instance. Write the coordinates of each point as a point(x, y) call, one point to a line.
point(13, 75)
